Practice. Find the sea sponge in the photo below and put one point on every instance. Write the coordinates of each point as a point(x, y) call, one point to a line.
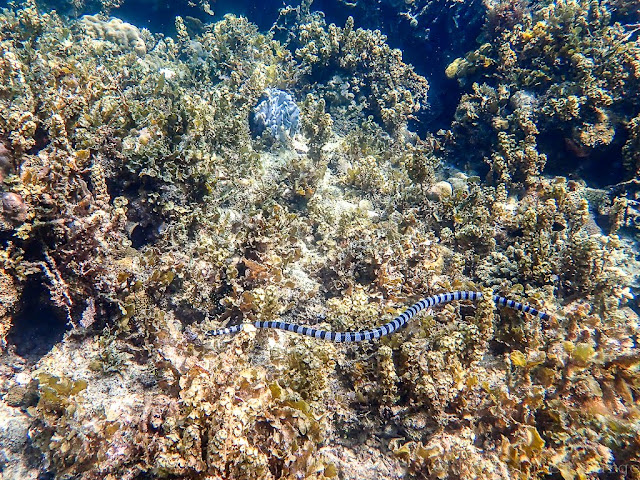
point(116, 31)
point(277, 114)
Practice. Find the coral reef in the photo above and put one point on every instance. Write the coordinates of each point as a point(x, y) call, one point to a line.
point(554, 84)
point(116, 31)
point(140, 212)
point(354, 69)
point(430, 30)
point(208, 417)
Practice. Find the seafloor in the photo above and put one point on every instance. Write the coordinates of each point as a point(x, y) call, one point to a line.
point(144, 203)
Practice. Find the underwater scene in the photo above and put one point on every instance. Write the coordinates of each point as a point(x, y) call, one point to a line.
point(331, 239)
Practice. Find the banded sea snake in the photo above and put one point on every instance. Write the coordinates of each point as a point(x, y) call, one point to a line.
point(388, 328)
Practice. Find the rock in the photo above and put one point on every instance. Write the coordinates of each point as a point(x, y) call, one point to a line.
point(440, 191)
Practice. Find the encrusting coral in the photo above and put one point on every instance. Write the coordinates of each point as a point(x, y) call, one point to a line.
point(137, 199)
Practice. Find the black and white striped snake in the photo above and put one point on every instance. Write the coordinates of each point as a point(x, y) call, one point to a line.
point(388, 328)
